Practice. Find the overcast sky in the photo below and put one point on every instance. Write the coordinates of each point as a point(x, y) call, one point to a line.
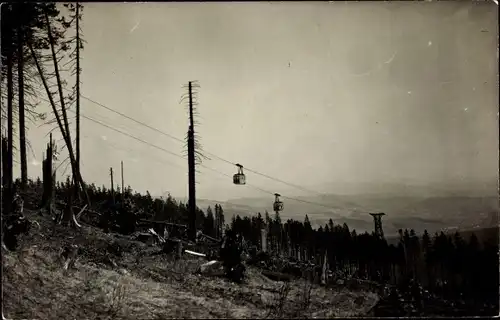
point(315, 94)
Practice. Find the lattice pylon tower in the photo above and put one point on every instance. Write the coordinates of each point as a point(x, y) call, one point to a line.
point(377, 219)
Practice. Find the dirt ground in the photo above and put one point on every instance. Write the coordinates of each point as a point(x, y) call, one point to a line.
point(117, 278)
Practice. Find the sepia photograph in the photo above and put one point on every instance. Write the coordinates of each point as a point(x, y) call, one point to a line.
point(249, 160)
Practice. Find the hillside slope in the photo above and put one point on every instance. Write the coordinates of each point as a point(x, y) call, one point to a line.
point(118, 278)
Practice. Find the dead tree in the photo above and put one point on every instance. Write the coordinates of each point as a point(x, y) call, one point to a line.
point(192, 168)
point(79, 45)
point(8, 194)
point(194, 153)
point(49, 179)
point(61, 121)
point(20, 79)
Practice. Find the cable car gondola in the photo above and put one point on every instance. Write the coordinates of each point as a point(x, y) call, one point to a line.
point(278, 205)
point(239, 178)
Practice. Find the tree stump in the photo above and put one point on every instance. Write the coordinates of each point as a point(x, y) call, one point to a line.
point(68, 216)
point(49, 179)
point(69, 255)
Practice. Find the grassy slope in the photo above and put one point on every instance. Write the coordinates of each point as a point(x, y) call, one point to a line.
point(142, 286)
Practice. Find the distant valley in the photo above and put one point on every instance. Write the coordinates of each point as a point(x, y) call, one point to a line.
point(412, 212)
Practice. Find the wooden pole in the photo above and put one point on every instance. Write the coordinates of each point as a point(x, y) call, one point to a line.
point(123, 184)
point(112, 185)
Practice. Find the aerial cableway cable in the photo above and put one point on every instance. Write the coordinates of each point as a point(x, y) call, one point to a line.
point(207, 152)
point(132, 153)
point(159, 160)
point(202, 165)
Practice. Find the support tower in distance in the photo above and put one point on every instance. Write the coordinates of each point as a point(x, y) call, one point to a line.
point(377, 219)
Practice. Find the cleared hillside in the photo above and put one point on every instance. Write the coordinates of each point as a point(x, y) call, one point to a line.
point(118, 278)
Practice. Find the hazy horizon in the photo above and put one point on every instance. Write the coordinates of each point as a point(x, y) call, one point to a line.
point(322, 95)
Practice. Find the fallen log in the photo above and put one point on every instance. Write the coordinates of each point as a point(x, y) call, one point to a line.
point(164, 223)
point(210, 268)
point(84, 209)
point(81, 211)
point(202, 235)
point(195, 253)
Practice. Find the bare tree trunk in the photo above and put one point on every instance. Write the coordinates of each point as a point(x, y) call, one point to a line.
point(78, 86)
point(10, 99)
point(60, 90)
point(49, 179)
point(191, 174)
point(63, 126)
point(66, 138)
point(76, 174)
point(22, 126)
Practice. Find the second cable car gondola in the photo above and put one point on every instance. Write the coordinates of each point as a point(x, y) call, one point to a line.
point(239, 178)
point(278, 205)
